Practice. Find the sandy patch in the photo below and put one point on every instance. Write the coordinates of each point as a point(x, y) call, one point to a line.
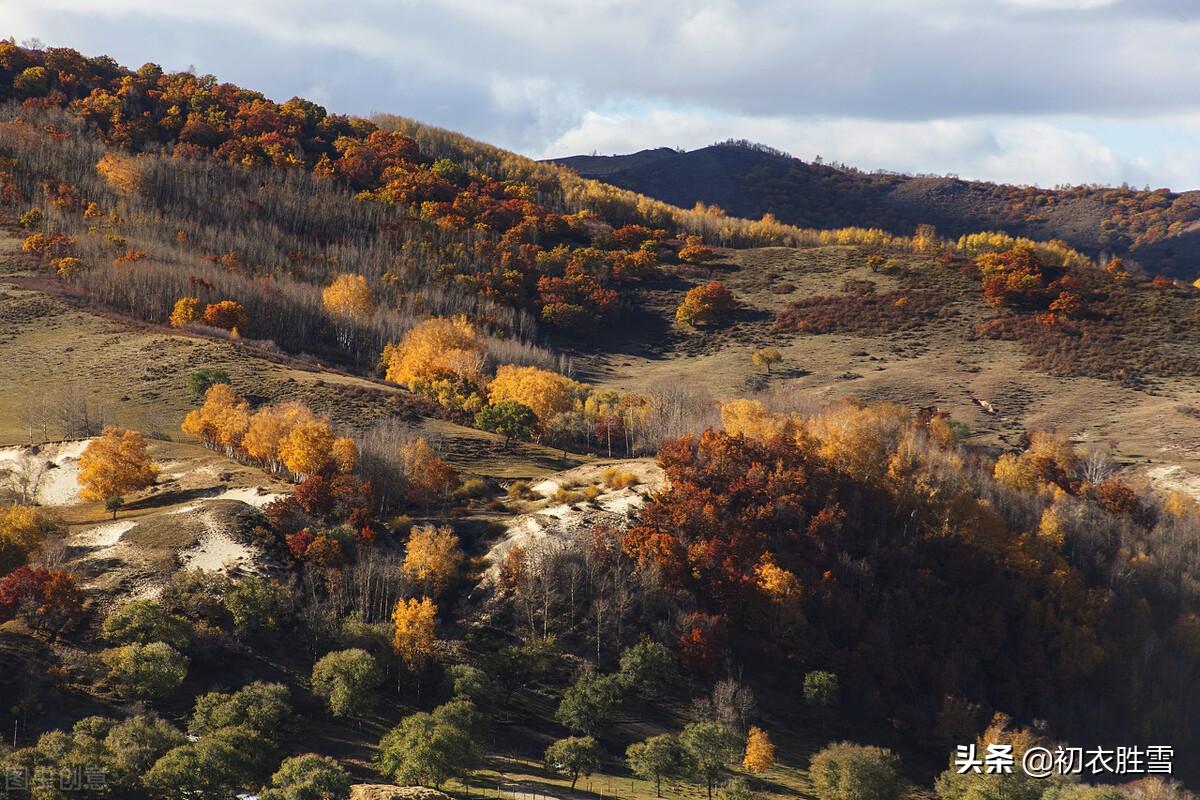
point(59, 465)
point(251, 495)
point(1175, 479)
point(217, 551)
point(546, 488)
point(105, 535)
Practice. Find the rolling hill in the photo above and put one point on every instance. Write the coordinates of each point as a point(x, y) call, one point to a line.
point(1160, 229)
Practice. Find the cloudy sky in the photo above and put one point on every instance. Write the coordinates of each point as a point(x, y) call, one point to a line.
point(1027, 91)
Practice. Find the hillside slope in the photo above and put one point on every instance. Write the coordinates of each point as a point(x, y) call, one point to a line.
point(1158, 229)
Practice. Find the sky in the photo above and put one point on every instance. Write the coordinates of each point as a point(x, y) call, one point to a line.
point(1040, 92)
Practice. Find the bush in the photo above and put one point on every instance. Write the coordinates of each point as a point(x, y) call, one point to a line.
point(143, 622)
point(846, 771)
point(308, 777)
point(145, 671)
point(347, 680)
point(257, 605)
point(615, 478)
point(704, 305)
point(201, 380)
point(820, 689)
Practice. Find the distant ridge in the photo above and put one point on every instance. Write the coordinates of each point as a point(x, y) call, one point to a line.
point(1159, 229)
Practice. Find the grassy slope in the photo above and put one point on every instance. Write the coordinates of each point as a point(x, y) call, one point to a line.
point(941, 363)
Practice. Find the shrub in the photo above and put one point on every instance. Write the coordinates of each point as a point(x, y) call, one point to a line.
point(145, 671)
point(709, 304)
point(846, 771)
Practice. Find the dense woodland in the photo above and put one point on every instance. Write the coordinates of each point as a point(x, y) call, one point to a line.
point(856, 564)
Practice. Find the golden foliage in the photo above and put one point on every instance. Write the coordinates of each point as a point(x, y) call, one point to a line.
point(547, 393)
point(752, 419)
point(349, 297)
point(269, 425)
point(766, 356)
point(25, 526)
point(1017, 473)
point(413, 632)
point(1051, 527)
point(437, 348)
point(185, 312)
point(223, 419)
point(776, 582)
point(345, 454)
point(858, 439)
point(122, 172)
point(432, 558)
point(114, 464)
point(307, 448)
point(760, 751)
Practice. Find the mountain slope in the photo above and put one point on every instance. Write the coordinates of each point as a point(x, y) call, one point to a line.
point(1158, 229)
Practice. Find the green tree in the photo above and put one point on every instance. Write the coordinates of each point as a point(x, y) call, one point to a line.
point(257, 605)
point(201, 380)
point(213, 767)
point(654, 759)
point(573, 757)
point(820, 690)
point(143, 622)
point(647, 667)
point(710, 748)
point(308, 777)
point(510, 419)
point(472, 683)
point(847, 771)
point(347, 680)
point(136, 743)
point(589, 702)
point(144, 671)
point(428, 749)
point(264, 708)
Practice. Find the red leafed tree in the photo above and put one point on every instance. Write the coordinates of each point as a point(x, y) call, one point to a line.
point(44, 599)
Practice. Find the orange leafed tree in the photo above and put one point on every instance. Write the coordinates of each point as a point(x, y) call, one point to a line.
point(432, 559)
point(427, 478)
point(695, 251)
point(227, 314)
point(760, 751)
point(413, 636)
point(185, 312)
point(223, 419)
point(706, 305)
point(114, 464)
point(269, 426)
point(547, 393)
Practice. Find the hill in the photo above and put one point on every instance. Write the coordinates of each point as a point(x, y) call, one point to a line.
point(411, 460)
point(1159, 229)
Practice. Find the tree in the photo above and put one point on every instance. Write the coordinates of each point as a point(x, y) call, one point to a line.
point(345, 454)
point(820, 689)
point(654, 759)
point(413, 637)
point(143, 622)
point(705, 305)
point(428, 749)
point(23, 528)
point(214, 767)
point(227, 314)
point(257, 605)
point(115, 464)
point(432, 558)
point(308, 447)
point(308, 777)
point(510, 419)
point(200, 381)
point(710, 748)
point(145, 671)
point(349, 297)
point(437, 348)
point(427, 477)
point(185, 312)
point(589, 702)
point(847, 771)
point(45, 599)
point(760, 751)
point(136, 743)
point(264, 708)
point(766, 356)
point(223, 419)
point(647, 667)
point(546, 393)
point(347, 680)
point(573, 757)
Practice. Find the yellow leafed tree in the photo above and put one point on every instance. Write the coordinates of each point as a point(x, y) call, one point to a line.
point(776, 582)
point(308, 447)
point(413, 632)
point(427, 478)
point(185, 312)
point(269, 426)
point(223, 420)
point(752, 419)
point(760, 751)
point(114, 464)
point(345, 454)
point(349, 297)
point(432, 559)
point(547, 393)
point(437, 348)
